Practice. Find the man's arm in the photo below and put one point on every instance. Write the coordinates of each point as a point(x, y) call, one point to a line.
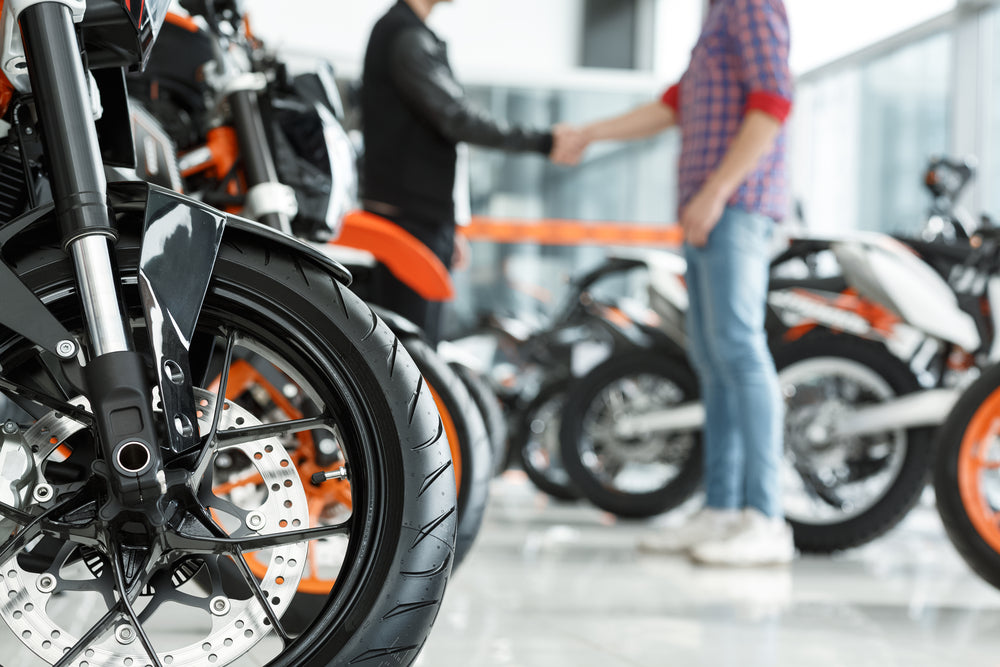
point(754, 140)
point(644, 121)
point(431, 90)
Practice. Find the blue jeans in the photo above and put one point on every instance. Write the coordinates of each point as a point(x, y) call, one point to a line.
point(727, 281)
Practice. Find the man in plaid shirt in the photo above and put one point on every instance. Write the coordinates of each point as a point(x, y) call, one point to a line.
point(730, 105)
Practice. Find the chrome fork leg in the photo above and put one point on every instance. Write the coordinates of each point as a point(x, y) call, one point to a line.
point(99, 294)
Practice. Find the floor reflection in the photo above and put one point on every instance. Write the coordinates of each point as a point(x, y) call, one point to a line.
point(552, 584)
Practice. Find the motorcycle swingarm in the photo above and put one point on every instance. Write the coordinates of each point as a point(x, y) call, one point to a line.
point(181, 241)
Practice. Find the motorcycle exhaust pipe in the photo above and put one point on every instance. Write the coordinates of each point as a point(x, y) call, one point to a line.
point(920, 409)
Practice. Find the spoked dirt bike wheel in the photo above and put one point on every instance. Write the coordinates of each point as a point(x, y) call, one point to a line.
point(967, 475)
point(536, 442)
point(631, 476)
point(201, 603)
point(841, 493)
point(491, 409)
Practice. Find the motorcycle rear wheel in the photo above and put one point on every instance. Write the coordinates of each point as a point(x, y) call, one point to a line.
point(966, 478)
point(492, 410)
point(635, 477)
point(870, 371)
point(401, 531)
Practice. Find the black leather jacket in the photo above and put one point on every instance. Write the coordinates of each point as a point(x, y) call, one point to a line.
point(414, 113)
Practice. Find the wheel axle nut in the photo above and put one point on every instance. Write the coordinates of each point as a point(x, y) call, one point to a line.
point(220, 606)
point(46, 583)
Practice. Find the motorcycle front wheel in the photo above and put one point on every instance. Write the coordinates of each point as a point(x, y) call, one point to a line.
point(396, 534)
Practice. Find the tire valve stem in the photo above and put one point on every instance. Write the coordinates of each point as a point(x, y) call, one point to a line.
point(320, 477)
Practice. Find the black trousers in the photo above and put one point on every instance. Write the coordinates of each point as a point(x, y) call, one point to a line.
point(389, 292)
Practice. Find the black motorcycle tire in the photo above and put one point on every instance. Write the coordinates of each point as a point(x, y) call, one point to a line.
point(905, 490)
point(492, 410)
point(558, 485)
point(983, 558)
point(390, 591)
point(586, 390)
point(473, 442)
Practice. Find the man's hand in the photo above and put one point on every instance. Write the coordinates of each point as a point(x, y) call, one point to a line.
point(700, 217)
point(461, 257)
point(568, 145)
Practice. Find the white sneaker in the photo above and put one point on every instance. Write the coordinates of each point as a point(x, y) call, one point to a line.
point(759, 540)
point(705, 525)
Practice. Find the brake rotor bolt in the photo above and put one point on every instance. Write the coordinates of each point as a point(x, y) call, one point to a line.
point(46, 583)
point(255, 520)
point(42, 493)
point(220, 606)
point(66, 349)
point(10, 427)
point(125, 634)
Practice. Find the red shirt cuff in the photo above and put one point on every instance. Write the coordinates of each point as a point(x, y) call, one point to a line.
point(770, 103)
point(672, 98)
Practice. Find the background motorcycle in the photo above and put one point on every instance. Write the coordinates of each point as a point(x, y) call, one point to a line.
point(856, 455)
point(532, 365)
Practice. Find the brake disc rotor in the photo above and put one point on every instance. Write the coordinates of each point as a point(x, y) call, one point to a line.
point(29, 599)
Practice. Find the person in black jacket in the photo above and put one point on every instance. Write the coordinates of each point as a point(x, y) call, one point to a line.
point(414, 113)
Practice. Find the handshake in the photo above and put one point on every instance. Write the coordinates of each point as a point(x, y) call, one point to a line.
point(569, 144)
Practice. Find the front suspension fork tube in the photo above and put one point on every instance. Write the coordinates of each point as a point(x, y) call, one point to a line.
point(255, 148)
point(115, 376)
point(78, 184)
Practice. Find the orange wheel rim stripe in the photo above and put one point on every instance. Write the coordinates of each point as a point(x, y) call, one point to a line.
point(452, 434)
point(982, 431)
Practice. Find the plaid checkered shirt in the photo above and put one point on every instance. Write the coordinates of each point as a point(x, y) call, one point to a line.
point(740, 63)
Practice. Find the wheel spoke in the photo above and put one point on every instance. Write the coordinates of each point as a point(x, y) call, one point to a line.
point(46, 401)
point(15, 515)
point(195, 545)
point(818, 489)
point(86, 640)
point(253, 433)
point(220, 397)
point(45, 524)
point(127, 594)
point(208, 444)
point(251, 581)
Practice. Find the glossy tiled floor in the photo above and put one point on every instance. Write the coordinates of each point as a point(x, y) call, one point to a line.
point(560, 585)
point(553, 585)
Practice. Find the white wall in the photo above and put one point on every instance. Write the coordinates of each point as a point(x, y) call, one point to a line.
point(534, 37)
point(825, 30)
